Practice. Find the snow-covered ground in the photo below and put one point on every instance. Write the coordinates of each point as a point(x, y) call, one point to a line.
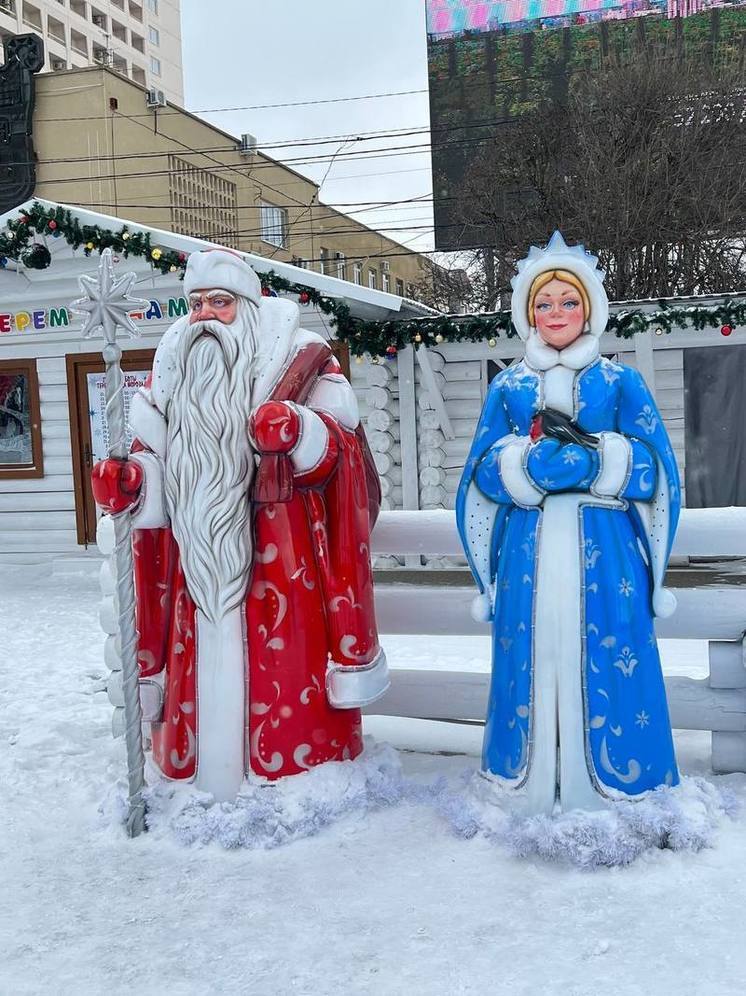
point(387, 903)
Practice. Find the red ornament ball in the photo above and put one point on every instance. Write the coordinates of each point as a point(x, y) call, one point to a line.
point(266, 292)
point(52, 225)
point(304, 297)
point(726, 330)
point(182, 257)
point(391, 352)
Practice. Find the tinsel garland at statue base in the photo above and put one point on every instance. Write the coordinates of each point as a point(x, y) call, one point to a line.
point(684, 818)
point(266, 816)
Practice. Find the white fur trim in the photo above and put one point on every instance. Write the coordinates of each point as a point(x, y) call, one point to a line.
point(216, 269)
point(333, 395)
point(664, 603)
point(312, 444)
point(559, 256)
point(579, 354)
point(481, 608)
point(480, 513)
point(517, 483)
point(151, 699)
point(557, 709)
point(656, 519)
point(615, 456)
point(150, 511)
point(350, 687)
point(221, 680)
point(147, 423)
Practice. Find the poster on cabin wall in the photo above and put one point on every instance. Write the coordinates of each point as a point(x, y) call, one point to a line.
point(15, 420)
point(133, 381)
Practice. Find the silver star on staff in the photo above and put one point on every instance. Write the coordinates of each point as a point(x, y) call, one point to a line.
point(107, 304)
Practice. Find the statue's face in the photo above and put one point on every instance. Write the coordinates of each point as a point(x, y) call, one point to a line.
point(212, 305)
point(559, 315)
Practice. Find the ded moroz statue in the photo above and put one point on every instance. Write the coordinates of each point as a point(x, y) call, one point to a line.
point(253, 495)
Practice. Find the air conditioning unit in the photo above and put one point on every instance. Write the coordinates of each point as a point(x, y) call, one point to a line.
point(56, 64)
point(155, 98)
point(248, 145)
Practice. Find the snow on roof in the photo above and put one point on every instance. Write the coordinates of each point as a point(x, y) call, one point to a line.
point(363, 301)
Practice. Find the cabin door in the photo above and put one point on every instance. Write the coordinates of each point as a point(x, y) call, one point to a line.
point(88, 427)
point(715, 421)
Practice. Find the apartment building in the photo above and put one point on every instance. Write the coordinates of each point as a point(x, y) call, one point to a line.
point(140, 39)
point(102, 145)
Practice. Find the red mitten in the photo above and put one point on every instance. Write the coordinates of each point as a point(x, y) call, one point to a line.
point(275, 427)
point(116, 484)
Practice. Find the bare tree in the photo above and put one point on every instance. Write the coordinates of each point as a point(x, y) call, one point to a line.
point(644, 162)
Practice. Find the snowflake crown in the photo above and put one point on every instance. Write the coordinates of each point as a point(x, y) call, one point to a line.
point(558, 255)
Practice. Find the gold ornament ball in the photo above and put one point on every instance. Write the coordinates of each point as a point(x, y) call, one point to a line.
point(126, 236)
point(418, 338)
point(492, 343)
point(358, 359)
point(439, 337)
point(156, 254)
point(172, 268)
point(89, 245)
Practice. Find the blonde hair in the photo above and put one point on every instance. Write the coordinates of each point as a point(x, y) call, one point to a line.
point(569, 278)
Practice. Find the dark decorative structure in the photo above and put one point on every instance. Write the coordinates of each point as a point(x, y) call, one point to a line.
point(24, 56)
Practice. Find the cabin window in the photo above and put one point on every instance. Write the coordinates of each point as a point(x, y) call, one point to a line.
point(20, 420)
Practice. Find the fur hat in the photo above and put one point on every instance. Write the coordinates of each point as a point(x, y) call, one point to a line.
point(222, 269)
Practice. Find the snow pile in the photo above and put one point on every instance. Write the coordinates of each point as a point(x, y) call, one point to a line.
point(270, 815)
point(684, 818)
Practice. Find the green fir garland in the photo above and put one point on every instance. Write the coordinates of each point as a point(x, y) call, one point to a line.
point(376, 338)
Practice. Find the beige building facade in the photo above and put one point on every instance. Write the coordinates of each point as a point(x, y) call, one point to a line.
point(140, 39)
point(100, 146)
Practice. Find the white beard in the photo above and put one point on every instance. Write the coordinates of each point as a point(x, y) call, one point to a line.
point(210, 461)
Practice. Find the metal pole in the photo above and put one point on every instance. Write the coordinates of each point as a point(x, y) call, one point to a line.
point(107, 305)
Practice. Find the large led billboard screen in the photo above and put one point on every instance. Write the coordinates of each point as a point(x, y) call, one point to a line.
point(492, 60)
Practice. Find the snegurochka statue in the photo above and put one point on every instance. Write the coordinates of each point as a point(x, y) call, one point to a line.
point(567, 510)
point(253, 494)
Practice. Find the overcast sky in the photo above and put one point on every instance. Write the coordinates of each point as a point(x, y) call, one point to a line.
point(239, 53)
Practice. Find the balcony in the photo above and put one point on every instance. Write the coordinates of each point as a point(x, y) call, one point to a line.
point(8, 7)
point(32, 17)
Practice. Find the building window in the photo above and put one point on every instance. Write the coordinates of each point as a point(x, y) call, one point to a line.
point(153, 6)
point(341, 265)
point(155, 35)
point(357, 274)
point(155, 66)
point(203, 204)
point(386, 283)
point(400, 287)
point(274, 225)
point(372, 279)
point(324, 257)
point(20, 420)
